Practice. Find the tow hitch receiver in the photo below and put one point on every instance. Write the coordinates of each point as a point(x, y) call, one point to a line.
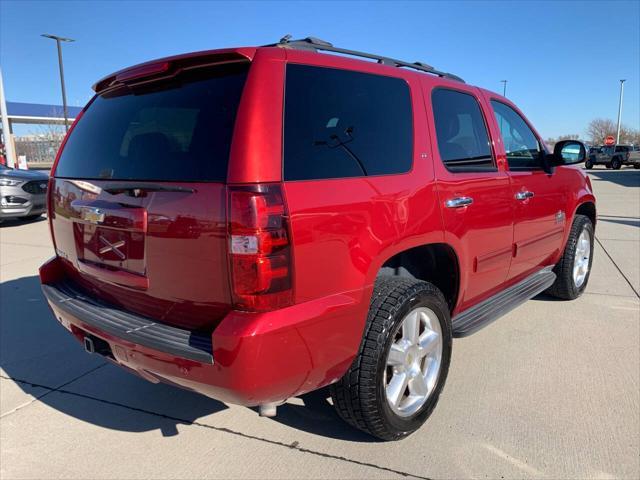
point(89, 345)
point(97, 345)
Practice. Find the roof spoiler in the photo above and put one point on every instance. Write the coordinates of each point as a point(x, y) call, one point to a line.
point(170, 67)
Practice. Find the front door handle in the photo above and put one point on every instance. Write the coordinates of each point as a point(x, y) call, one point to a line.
point(459, 202)
point(525, 195)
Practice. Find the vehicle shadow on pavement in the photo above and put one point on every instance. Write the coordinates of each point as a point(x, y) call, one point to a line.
point(318, 416)
point(625, 178)
point(545, 297)
point(18, 222)
point(629, 221)
point(47, 363)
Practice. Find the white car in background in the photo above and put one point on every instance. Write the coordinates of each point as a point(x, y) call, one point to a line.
point(22, 193)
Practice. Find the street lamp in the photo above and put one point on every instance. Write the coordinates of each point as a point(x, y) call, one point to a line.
point(620, 110)
point(504, 87)
point(64, 93)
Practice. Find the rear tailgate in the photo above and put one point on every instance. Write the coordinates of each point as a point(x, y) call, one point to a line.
point(162, 255)
point(139, 198)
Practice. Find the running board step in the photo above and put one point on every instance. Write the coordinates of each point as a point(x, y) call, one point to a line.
point(479, 316)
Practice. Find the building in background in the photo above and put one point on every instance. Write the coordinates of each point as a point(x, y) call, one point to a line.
point(39, 149)
point(41, 145)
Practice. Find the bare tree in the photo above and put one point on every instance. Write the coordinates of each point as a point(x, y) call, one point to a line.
point(599, 128)
point(629, 135)
point(551, 141)
point(41, 144)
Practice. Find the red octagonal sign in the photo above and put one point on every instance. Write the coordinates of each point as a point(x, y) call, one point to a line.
point(609, 140)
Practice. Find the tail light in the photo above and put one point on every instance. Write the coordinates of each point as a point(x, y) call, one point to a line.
point(259, 247)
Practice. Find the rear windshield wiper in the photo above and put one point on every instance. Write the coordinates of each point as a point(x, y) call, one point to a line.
point(141, 189)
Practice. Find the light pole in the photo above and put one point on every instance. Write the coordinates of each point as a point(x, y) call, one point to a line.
point(64, 92)
point(620, 110)
point(6, 127)
point(504, 87)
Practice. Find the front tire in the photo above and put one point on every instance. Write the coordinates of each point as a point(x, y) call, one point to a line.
point(636, 166)
point(588, 164)
point(395, 380)
point(573, 269)
point(616, 164)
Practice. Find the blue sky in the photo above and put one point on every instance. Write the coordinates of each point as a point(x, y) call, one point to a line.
point(562, 60)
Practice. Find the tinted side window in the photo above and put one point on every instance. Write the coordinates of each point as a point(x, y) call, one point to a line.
point(520, 143)
point(463, 141)
point(340, 123)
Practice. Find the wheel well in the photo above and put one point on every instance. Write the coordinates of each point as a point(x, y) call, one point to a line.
point(588, 209)
point(436, 263)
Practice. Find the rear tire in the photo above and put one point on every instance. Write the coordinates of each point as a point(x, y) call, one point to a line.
point(636, 166)
point(616, 164)
point(572, 274)
point(364, 397)
point(588, 164)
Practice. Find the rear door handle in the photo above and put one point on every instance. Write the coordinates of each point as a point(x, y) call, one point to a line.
point(524, 195)
point(459, 202)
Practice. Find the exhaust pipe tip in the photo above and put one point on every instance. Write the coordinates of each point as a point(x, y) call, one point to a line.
point(268, 409)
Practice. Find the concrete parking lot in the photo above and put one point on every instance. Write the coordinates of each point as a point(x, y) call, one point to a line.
point(551, 390)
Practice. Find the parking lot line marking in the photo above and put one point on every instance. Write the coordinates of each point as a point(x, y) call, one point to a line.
point(616, 295)
point(514, 461)
point(51, 390)
point(616, 265)
point(290, 446)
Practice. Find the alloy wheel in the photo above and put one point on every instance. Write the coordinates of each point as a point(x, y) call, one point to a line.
point(413, 362)
point(582, 258)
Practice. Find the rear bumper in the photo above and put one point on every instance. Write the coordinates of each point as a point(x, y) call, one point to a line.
point(248, 359)
point(70, 302)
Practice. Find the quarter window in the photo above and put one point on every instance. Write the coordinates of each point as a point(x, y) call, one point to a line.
point(340, 123)
point(520, 143)
point(463, 141)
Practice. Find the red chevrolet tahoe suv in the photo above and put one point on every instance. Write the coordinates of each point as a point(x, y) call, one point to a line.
point(257, 223)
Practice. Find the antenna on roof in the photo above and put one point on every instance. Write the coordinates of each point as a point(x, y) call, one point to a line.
point(316, 45)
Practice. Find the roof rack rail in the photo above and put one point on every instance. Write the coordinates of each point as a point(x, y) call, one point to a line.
point(316, 44)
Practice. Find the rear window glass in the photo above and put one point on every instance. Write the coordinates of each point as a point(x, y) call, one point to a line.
point(340, 123)
point(175, 130)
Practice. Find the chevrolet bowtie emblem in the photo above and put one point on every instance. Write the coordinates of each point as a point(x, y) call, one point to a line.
point(111, 247)
point(92, 215)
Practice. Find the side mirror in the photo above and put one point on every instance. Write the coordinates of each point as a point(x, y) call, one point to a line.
point(568, 152)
